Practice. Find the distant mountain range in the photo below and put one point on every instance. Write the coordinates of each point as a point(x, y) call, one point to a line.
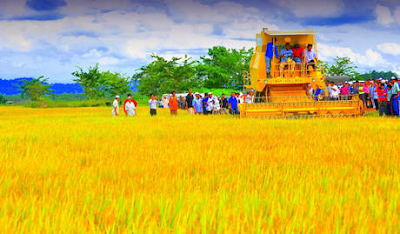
point(10, 87)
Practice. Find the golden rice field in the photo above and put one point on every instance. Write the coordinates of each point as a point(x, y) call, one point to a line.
point(82, 171)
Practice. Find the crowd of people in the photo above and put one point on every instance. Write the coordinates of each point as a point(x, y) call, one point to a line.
point(193, 103)
point(380, 94)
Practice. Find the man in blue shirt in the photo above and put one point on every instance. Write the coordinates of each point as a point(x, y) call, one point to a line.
point(395, 96)
point(233, 105)
point(286, 57)
point(269, 54)
point(204, 102)
point(198, 104)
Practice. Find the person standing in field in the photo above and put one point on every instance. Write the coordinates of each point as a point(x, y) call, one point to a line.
point(115, 109)
point(165, 102)
point(345, 91)
point(210, 104)
point(250, 97)
point(372, 87)
point(173, 103)
point(395, 96)
point(224, 104)
point(216, 106)
point(335, 91)
point(204, 102)
point(318, 93)
point(189, 102)
point(182, 103)
point(382, 99)
point(361, 94)
point(130, 108)
point(233, 105)
point(198, 104)
point(129, 99)
point(153, 105)
point(389, 98)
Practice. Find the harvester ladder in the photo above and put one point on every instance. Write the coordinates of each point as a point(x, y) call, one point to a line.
point(246, 80)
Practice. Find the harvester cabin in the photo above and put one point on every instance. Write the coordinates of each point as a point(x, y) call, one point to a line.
point(275, 42)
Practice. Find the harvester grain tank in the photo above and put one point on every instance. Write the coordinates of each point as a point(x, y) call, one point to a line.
point(283, 91)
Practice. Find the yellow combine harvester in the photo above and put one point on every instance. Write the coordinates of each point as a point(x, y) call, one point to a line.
point(283, 90)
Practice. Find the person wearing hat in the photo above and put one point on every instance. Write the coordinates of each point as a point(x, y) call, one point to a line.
point(197, 104)
point(395, 96)
point(115, 109)
point(210, 103)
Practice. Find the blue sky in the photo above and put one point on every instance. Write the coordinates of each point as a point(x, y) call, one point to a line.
point(51, 37)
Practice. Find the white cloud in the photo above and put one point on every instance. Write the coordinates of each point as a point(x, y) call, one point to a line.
point(326, 8)
point(396, 14)
point(370, 58)
point(390, 48)
point(106, 61)
point(385, 16)
point(93, 53)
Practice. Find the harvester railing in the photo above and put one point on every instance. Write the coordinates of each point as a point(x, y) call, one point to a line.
point(291, 70)
point(304, 105)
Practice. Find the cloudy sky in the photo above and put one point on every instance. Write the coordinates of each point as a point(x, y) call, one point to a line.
point(51, 37)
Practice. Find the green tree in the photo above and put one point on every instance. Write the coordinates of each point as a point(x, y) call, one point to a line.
point(35, 89)
point(90, 80)
point(224, 68)
point(162, 75)
point(342, 66)
point(97, 84)
point(2, 99)
point(114, 83)
point(375, 74)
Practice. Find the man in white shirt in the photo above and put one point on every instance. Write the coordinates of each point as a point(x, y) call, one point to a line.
point(216, 107)
point(115, 110)
point(210, 103)
point(153, 105)
point(311, 57)
point(335, 91)
point(165, 102)
point(250, 97)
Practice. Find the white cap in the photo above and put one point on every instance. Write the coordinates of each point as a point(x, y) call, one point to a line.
point(209, 93)
point(197, 93)
point(117, 96)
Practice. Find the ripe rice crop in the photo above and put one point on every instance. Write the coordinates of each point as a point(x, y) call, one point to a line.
point(80, 170)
